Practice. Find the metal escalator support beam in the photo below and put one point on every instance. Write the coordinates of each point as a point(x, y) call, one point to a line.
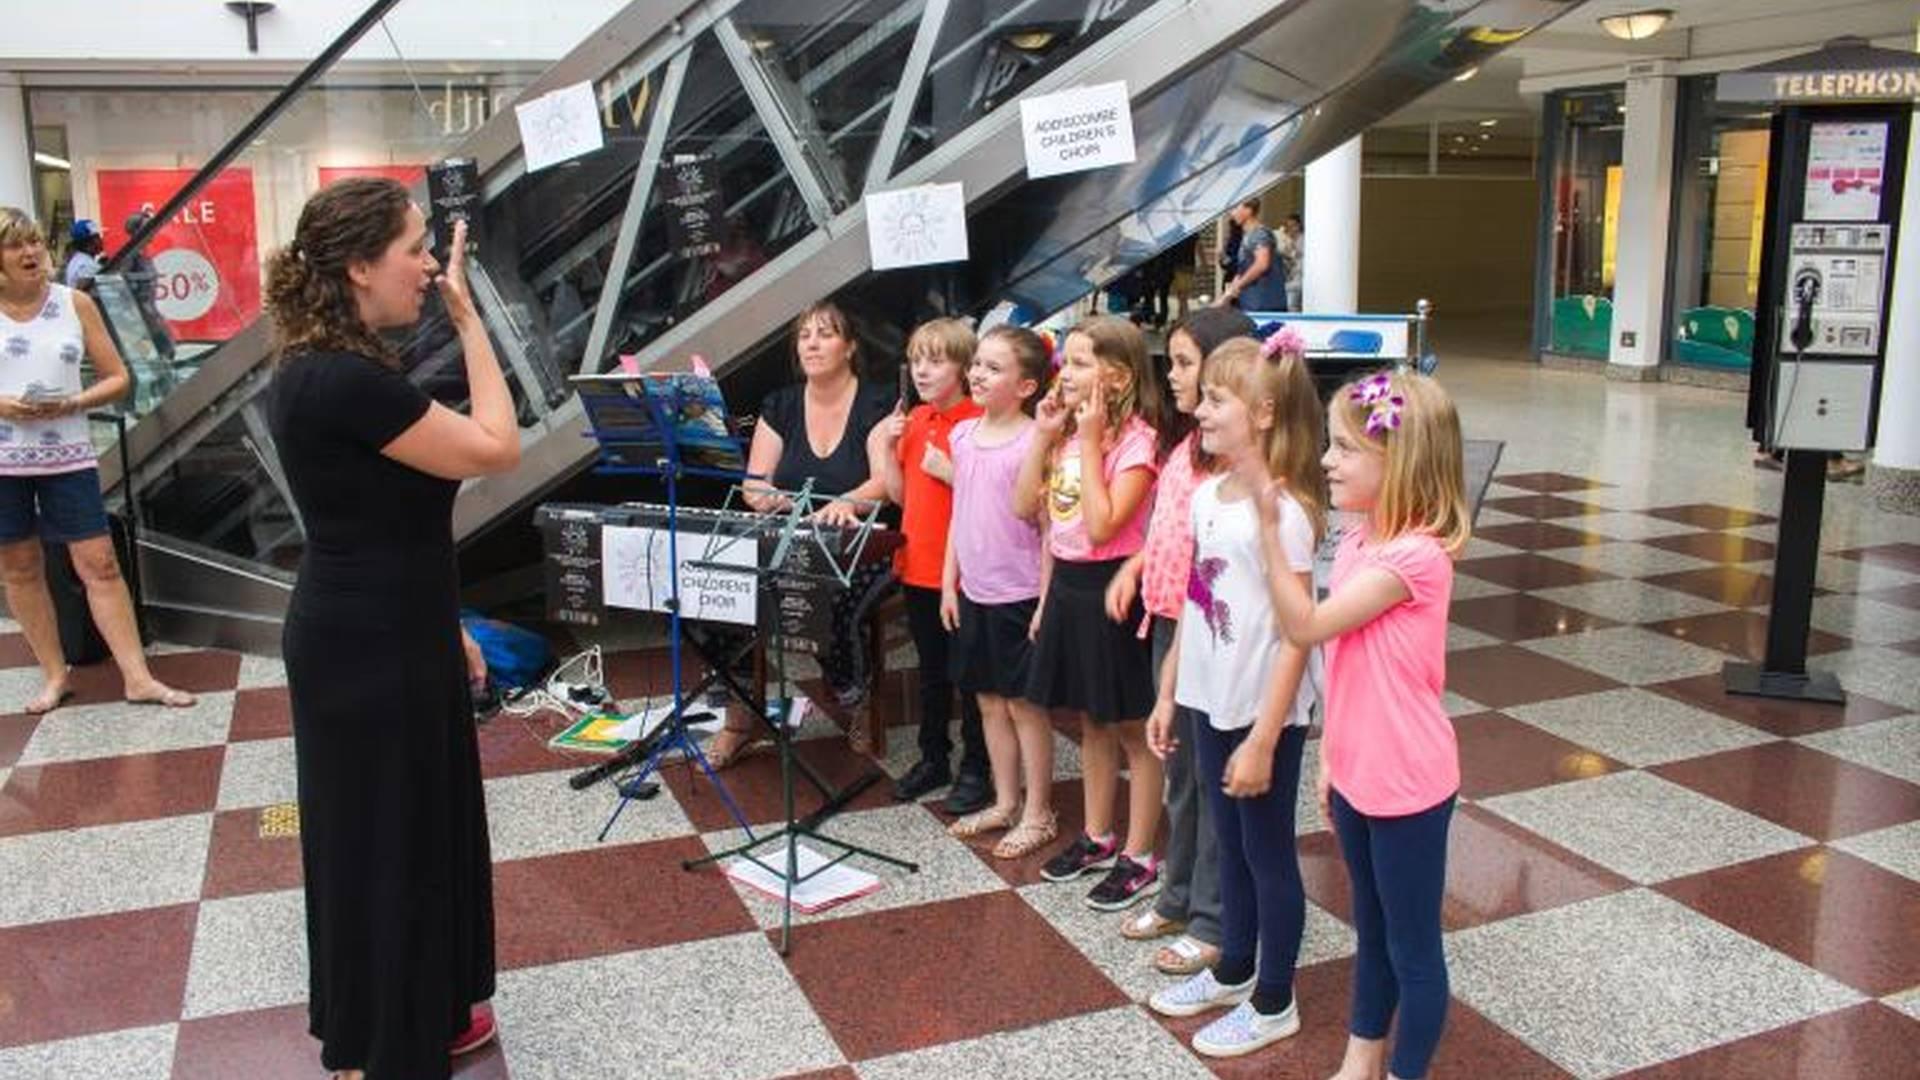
point(628, 238)
point(789, 123)
point(906, 94)
point(243, 138)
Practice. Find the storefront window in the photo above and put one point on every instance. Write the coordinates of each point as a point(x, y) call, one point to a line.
point(1587, 137)
point(1719, 208)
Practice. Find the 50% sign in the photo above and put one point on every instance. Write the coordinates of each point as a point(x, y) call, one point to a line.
point(185, 284)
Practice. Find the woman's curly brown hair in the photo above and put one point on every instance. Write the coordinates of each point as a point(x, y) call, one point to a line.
point(309, 297)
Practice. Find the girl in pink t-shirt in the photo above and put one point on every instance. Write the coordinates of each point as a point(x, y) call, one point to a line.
point(990, 588)
point(1091, 470)
point(1389, 767)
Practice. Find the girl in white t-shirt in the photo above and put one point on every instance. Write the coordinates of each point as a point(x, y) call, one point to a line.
point(1254, 689)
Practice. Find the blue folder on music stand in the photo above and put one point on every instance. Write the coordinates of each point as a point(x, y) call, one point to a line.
point(627, 411)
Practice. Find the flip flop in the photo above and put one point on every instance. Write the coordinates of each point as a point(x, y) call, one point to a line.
point(1185, 956)
point(1150, 924)
point(171, 698)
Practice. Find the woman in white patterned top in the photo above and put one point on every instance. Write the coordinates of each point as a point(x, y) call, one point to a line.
point(49, 486)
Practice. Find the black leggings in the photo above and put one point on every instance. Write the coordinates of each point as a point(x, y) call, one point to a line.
point(931, 640)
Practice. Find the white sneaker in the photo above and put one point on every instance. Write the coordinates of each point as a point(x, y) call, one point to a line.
point(1244, 1030)
point(1197, 994)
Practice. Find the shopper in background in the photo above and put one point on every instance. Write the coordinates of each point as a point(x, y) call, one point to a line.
point(49, 487)
point(86, 242)
point(1293, 250)
point(1259, 281)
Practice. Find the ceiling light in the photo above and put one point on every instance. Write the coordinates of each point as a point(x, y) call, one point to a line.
point(51, 162)
point(1489, 122)
point(1467, 74)
point(1636, 25)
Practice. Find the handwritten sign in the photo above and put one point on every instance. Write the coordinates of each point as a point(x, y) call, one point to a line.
point(1087, 127)
point(559, 126)
point(916, 226)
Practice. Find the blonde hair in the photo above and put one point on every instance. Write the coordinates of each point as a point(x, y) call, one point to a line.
point(1423, 487)
point(949, 339)
point(1120, 346)
point(17, 227)
point(1241, 367)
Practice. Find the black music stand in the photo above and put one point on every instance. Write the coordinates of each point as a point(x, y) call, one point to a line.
point(633, 417)
point(792, 524)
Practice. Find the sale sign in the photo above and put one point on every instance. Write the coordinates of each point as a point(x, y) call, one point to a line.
point(206, 260)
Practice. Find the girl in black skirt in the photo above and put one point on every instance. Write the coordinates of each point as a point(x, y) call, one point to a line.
point(1092, 466)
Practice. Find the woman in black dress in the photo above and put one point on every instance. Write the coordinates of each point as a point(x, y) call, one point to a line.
point(816, 429)
point(393, 826)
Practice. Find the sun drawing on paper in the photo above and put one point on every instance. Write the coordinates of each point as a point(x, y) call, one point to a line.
point(912, 226)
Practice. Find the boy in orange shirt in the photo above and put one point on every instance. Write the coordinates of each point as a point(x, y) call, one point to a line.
point(913, 453)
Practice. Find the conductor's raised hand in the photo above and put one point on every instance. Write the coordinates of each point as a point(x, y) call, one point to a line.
point(452, 279)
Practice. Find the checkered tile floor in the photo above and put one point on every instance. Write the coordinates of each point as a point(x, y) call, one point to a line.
point(1648, 878)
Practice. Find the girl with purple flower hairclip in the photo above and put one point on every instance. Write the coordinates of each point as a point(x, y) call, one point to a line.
point(1390, 768)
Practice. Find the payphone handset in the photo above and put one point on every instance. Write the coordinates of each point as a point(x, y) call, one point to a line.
point(1806, 292)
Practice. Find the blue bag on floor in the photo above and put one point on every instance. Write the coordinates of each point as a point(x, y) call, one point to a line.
point(516, 658)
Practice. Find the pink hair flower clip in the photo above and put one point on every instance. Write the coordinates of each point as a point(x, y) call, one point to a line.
point(1383, 405)
point(1285, 341)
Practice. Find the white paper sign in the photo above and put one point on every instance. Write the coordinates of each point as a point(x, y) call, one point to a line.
point(1087, 127)
point(917, 225)
point(635, 575)
point(559, 126)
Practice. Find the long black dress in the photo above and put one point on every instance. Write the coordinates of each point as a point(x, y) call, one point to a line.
point(393, 825)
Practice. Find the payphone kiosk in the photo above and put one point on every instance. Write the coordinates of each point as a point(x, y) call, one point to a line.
point(1834, 187)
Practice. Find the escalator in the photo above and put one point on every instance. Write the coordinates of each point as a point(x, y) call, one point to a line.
point(794, 108)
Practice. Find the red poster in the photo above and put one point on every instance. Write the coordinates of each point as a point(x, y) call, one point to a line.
point(206, 260)
point(406, 174)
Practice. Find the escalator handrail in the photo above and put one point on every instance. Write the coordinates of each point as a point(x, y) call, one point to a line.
point(249, 131)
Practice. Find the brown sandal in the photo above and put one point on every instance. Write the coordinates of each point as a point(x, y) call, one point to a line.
point(991, 819)
point(1027, 837)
